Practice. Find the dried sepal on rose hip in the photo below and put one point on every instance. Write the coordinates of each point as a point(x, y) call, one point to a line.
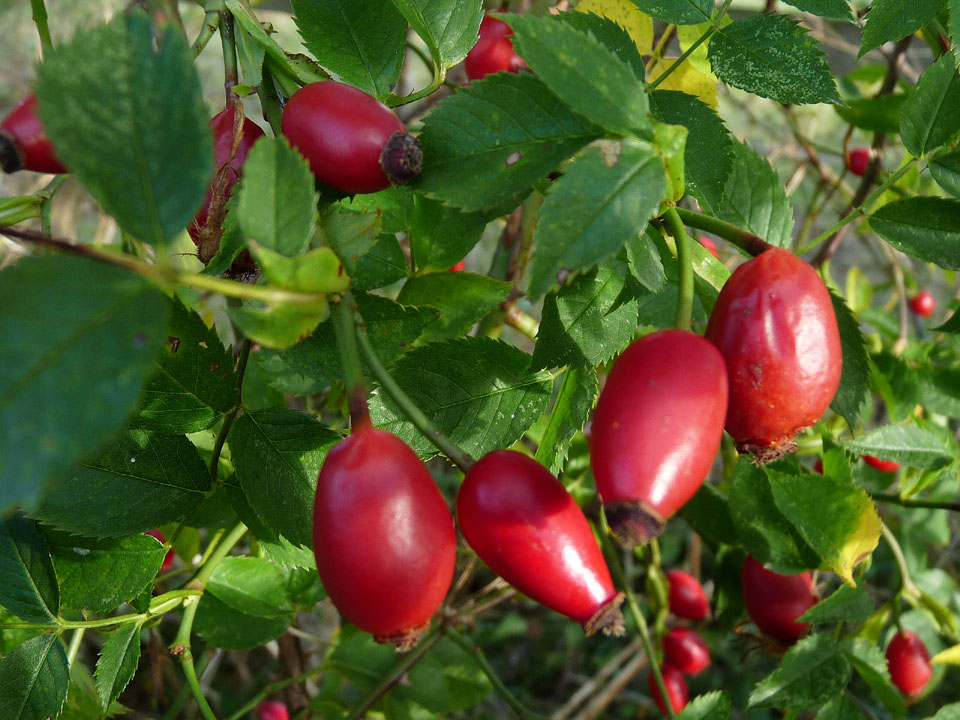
point(24, 144)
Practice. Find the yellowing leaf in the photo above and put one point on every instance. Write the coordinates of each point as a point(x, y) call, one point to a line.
point(623, 12)
point(685, 78)
point(859, 544)
point(687, 35)
point(950, 656)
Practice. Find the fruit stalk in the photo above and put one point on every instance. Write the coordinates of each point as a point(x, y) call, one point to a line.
point(229, 44)
point(39, 11)
point(685, 261)
point(738, 236)
point(344, 329)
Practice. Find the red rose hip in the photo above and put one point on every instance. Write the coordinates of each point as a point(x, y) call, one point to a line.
point(709, 245)
point(272, 710)
point(493, 52)
point(775, 601)
point(656, 430)
point(168, 558)
point(676, 686)
point(527, 528)
point(887, 466)
point(858, 160)
point(383, 536)
point(686, 650)
point(687, 599)
point(774, 324)
point(909, 662)
point(923, 304)
point(352, 141)
point(24, 144)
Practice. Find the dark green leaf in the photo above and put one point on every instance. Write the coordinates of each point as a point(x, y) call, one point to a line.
point(774, 57)
point(645, 264)
point(897, 383)
point(811, 673)
point(841, 707)
point(278, 454)
point(34, 679)
point(610, 34)
point(361, 42)
point(441, 236)
point(708, 706)
point(895, 19)
point(709, 514)
point(945, 167)
point(139, 481)
point(932, 111)
point(86, 334)
point(906, 444)
point(855, 377)
point(118, 662)
point(461, 299)
point(486, 144)
point(446, 680)
point(868, 660)
point(754, 198)
point(28, 585)
point(927, 228)
point(382, 265)
point(832, 9)
point(600, 203)
point(251, 585)
point(122, 103)
point(947, 712)
point(940, 390)
point(679, 12)
point(846, 604)
point(571, 409)
point(476, 390)
point(448, 27)
point(350, 234)
point(223, 627)
point(876, 114)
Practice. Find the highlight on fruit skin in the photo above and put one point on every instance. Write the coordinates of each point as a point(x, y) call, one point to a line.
point(774, 602)
point(24, 144)
point(686, 598)
point(923, 304)
point(908, 662)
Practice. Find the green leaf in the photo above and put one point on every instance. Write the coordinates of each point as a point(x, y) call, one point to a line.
point(854, 385)
point(645, 264)
point(361, 42)
point(832, 9)
point(927, 228)
point(278, 199)
point(940, 390)
point(28, 585)
point(193, 383)
point(846, 604)
point(251, 585)
point(583, 72)
point(490, 141)
point(708, 706)
point(876, 114)
point(708, 155)
point(576, 398)
point(868, 660)
point(953, 27)
point(945, 167)
point(931, 114)
point(278, 454)
point(34, 679)
point(86, 335)
point(461, 298)
point(774, 57)
point(223, 627)
point(709, 514)
point(947, 712)
point(448, 27)
point(441, 236)
point(584, 324)
point(123, 105)
point(611, 34)
point(477, 391)
point(600, 203)
point(446, 680)
point(890, 20)
point(906, 444)
point(83, 563)
point(139, 481)
point(384, 264)
point(754, 198)
point(350, 234)
point(679, 12)
point(840, 707)
point(811, 673)
point(118, 662)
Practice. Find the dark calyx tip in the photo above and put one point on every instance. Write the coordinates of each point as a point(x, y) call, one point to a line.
point(404, 640)
point(767, 452)
point(608, 618)
point(401, 158)
point(633, 522)
point(10, 158)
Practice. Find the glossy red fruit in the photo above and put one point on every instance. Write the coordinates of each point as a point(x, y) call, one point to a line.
point(686, 650)
point(858, 160)
point(352, 141)
point(272, 710)
point(24, 144)
point(887, 466)
point(383, 536)
point(774, 324)
point(676, 686)
point(493, 52)
point(909, 662)
point(656, 430)
point(523, 524)
point(228, 159)
point(459, 266)
point(709, 245)
point(774, 601)
point(168, 558)
point(687, 599)
point(923, 304)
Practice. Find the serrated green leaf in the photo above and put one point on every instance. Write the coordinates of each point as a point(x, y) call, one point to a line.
point(278, 326)
point(485, 145)
point(600, 203)
point(448, 27)
point(845, 604)
point(384, 264)
point(583, 72)
point(876, 114)
point(118, 662)
point(645, 263)
point(350, 234)
point(841, 707)
point(890, 20)
point(811, 673)
point(223, 627)
point(86, 334)
point(251, 585)
point(478, 391)
point(611, 33)
point(441, 236)
point(708, 706)
point(868, 660)
point(855, 377)
point(774, 57)
point(708, 513)
point(832, 9)
point(945, 167)
point(139, 481)
point(461, 299)
point(34, 679)
point(678, 12)
point(124, 108)
point(927, 228)
point(361, 42)
point(576, 398)
point(754, 198)
point(278, 454)
point(931, 114)
point(906, 444)
point(28, 584)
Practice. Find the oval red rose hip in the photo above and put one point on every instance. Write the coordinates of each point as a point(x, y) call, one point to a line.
point(24, 144)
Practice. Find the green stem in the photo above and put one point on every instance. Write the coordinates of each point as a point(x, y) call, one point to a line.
point(685, 262)
point(714, 26)
point(74, 648)
point(903, 502)
point(345, 331)
point(231, 75)
point(231, 416)
point(46, 196)
point(43, 29)
point(905, 580)
point(211, 21)
point(481, 661)
point(176, 708)
point(270, 101)
point(519, 320)
point(743, 239)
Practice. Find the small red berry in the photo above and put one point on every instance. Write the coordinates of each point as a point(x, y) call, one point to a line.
point(887, 466)
point(493, 51)
point(656, 430)
point(273, 710)
point(774, 324)
point(775, 601)
point(923, 304)
point(383, 536)
point(709, 245)
point(676, 686)
point(24, 144)
point(909, 662)
point(687, 599)
point(352, 141)
point(858, 160)
point(686, 650)
point(168, 558)
point(459, 266)
point(527, 528)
